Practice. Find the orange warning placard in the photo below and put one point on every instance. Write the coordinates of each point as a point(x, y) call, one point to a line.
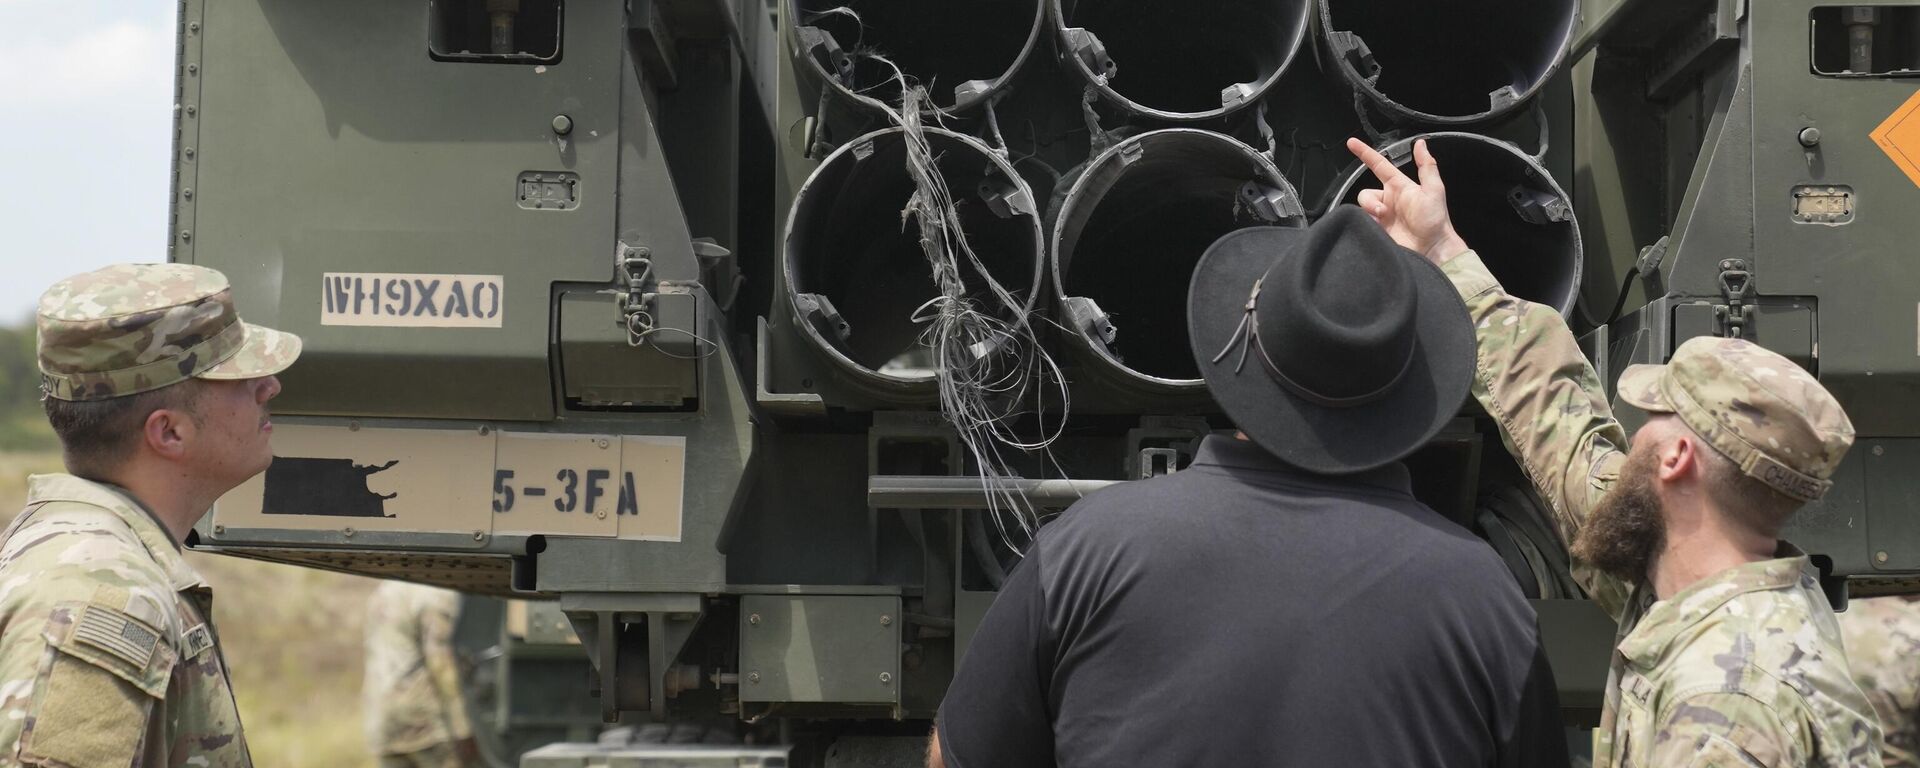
point(1899, 137)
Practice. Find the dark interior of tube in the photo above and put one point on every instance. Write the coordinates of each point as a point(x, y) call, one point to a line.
point(848, 244)
point(1131, 238)
point(1444, 58)
point(1536, 262)
point(938, 44)
point(1179, 56)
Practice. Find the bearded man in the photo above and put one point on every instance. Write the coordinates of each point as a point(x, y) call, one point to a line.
point(1728, 653)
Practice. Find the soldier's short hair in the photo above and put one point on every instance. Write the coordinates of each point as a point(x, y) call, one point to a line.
point(1746, 498)
point(98, 436)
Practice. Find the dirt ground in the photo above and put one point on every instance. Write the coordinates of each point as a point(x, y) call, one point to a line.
point(292, 637)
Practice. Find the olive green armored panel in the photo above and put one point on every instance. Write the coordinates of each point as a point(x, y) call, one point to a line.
point(408, 214)
point(1729, 165)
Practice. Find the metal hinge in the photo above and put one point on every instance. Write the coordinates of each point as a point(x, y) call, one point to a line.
point(1736, 287)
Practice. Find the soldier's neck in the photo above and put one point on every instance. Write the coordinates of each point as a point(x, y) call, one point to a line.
point(1693, 552)
point(176, 500)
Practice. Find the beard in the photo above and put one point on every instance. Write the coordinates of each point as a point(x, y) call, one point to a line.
point(1625, 529)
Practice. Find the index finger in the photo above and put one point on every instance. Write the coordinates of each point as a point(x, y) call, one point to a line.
point(1382, 168)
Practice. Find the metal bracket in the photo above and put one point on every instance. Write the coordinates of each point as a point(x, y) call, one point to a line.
point(819, 311)
point(1082, 44)
point(1503, 97)
point(634, 269)
point(1237, 94)
point(1736, 287)
point(1539, 206)
point(667, 634)
point(1348, 47)
point(1005, 199)
point(1155, 462)
point(1397, 153)
point(1652, 257)
point(1085, 316)
point(819, 45)
point(717, 264)
point(606, 637)
point(632, 641)
point(1648, 265)
point(1158, 446)
point(1272, 205)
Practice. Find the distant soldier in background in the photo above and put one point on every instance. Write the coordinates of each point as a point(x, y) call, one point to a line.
point(158, 393)
point(416, 712)
point(1882, 638)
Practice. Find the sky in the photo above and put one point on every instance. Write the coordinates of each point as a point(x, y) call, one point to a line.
point(85, 138)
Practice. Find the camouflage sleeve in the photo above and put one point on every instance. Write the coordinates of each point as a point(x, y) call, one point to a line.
point(1882, 639)
point(1727, 730)
point(1534, 382)
point(80, 682)
point(443, 664)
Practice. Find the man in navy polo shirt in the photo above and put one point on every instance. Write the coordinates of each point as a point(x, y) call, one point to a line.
point(1285, 600)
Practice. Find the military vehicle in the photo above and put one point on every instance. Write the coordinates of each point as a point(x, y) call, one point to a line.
point(733, 327)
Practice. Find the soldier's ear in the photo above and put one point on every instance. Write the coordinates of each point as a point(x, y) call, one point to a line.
point(167, 432)
point(1679, 460)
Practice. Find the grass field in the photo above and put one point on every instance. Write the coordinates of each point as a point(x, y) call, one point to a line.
point(291, 635)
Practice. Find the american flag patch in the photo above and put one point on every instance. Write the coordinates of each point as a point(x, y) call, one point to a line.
point(116, 633)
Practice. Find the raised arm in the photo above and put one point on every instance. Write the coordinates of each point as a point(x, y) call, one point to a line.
point(1530, 377)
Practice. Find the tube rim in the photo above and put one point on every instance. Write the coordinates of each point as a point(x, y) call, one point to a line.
point(1360, 172)
point(907, 385)
point(1302, 28)
point(1078, 337)
point(869, 104)
point(1401, 113)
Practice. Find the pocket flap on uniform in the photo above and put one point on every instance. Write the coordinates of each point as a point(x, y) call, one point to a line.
point(115, 641)
point(86, 712)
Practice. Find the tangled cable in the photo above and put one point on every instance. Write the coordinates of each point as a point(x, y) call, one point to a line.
point(991, 369)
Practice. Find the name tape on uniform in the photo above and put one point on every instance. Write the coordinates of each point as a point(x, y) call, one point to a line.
point(400, 300)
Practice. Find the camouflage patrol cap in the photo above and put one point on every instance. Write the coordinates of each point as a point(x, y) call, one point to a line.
point(131, 328)
point(1766, 414)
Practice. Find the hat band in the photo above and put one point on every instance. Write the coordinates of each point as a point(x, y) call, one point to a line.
point(147, 377)
point(1247, 333)
point(1753, 462)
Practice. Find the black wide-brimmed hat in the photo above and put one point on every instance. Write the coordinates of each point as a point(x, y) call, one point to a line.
point(1331, 347)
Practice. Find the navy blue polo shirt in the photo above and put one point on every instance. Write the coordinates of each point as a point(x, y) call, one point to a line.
point(1242, 612)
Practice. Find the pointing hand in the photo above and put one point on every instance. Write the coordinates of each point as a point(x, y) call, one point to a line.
point(1413, 213)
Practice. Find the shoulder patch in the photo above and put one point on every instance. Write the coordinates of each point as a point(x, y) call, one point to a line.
point(110, 638)
point(117, 633)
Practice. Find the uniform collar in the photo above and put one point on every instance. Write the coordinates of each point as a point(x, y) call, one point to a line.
point(1227, 453)
point(1664, 620)
point(160, 544)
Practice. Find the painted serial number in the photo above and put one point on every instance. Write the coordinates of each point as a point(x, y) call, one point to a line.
point(384, 299)
point(573, 490)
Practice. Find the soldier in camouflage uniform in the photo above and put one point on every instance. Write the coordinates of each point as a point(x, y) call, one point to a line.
point(416, 714)
point(1728, 653)
point(158, 392)
point(1883, 645)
